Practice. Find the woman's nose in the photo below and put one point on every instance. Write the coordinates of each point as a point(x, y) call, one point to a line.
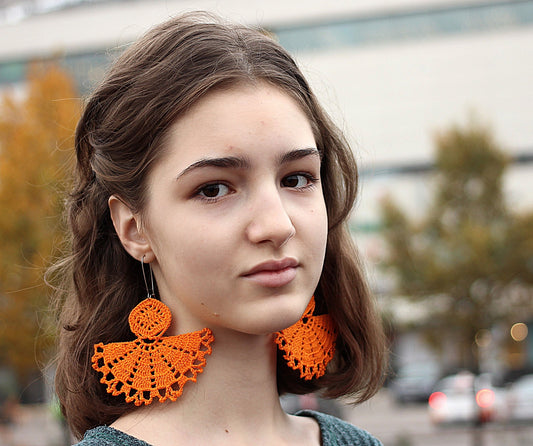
point(269, 220)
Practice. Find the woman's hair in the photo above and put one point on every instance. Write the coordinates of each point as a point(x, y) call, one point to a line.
point(120, 135)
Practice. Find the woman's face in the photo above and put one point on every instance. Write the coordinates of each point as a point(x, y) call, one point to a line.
point(235, 217)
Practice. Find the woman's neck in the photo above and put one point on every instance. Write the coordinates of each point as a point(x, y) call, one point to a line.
point(234, 401)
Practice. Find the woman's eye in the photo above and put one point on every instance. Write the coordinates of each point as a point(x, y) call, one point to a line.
point(298, 181)
point(215, 190)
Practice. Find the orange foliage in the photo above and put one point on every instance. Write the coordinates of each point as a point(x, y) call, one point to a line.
point(36, 149)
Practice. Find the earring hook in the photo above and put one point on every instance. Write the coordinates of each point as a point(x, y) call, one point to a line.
point(150, 291)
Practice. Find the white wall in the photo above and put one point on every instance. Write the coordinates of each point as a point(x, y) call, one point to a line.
point(394, 96)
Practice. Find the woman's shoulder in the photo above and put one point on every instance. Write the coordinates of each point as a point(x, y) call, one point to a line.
point(107, 436)
point(336, 432)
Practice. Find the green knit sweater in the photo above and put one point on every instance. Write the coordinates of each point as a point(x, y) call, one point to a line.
point(334, 432)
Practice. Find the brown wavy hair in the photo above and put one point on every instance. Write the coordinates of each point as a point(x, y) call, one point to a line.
point(120, 135)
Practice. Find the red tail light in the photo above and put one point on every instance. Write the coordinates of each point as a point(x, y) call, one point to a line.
point(437, 400)
point(485, 398)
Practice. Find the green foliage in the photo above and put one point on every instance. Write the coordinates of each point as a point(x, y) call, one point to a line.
point(469, 258)
point(36, 141)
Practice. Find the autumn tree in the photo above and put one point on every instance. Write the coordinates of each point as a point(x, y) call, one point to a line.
point(468, 259)
point(36, 141)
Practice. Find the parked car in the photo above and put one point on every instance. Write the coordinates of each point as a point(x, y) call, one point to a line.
point(466, 398)
point(415, 382)
point(520, 399)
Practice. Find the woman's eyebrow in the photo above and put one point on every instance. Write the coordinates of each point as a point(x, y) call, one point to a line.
point(233, 162)
point(297, 154)
point(229, 162)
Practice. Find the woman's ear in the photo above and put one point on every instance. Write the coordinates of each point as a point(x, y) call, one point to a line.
point(129, 230)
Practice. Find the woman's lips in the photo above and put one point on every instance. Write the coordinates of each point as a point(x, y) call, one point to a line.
point(273, 273)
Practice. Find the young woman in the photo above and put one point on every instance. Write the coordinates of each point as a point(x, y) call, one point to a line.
point(211, 268)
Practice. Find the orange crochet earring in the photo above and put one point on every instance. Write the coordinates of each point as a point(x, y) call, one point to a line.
point(152, 366)
point(309, 344)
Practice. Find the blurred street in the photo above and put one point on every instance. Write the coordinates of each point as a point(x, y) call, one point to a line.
point(32, 425)
point(409, 425)
point(394, 425)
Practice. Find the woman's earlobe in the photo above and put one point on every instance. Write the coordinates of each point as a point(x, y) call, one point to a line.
point(129, 229)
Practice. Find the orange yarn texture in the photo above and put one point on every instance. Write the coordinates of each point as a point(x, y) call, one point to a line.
point(152, 366)
point(309, 344)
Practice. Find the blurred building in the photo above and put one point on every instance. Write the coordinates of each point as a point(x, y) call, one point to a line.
point(391, 72)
